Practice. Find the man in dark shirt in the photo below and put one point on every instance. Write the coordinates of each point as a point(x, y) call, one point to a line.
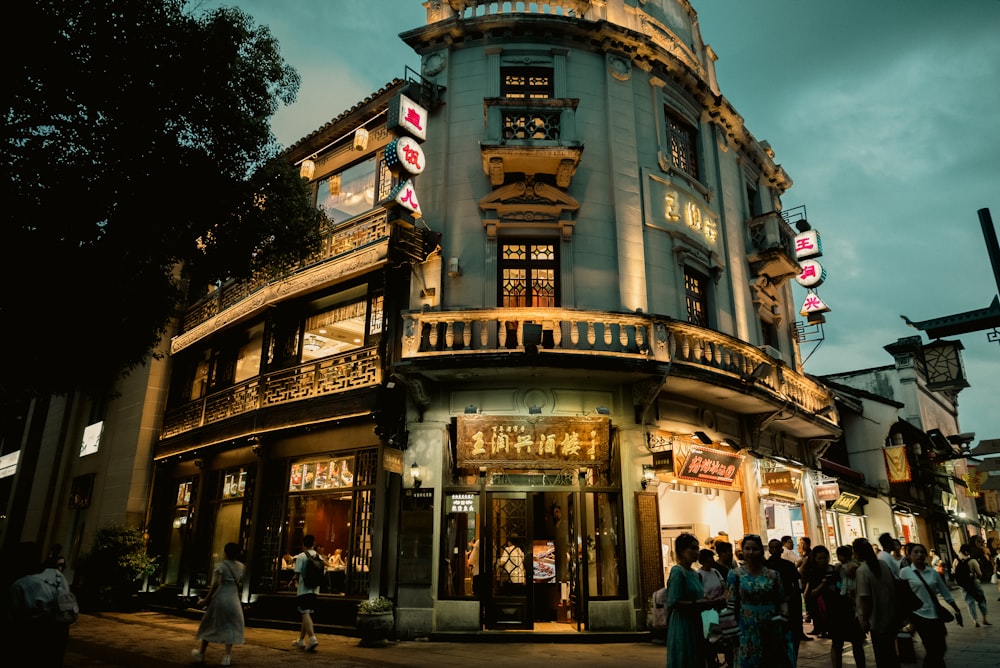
point(793, 592)
point(724, 558)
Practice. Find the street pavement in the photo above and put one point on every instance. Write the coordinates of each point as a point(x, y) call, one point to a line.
point(155, 639)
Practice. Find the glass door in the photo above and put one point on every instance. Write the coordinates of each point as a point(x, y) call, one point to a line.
point(509, 602)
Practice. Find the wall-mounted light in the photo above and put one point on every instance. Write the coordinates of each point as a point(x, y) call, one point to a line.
point(735, 445)
point(648, 475)
point(603, 410)
point(761, 370)
point(703, 437)
point(454, 269)
point(826, 410)
point(471, 409)
point(415, 474)
point(765, 490)
point(534, 410)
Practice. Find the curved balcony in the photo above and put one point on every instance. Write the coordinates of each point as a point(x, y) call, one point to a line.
point(704, 361)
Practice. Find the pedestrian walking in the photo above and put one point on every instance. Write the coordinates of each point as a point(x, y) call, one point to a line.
point(930, 626)
point(968, 575)
point(758, 600)
point(223, 619)
point(793, 592)
point(817, 582)
point(305, 595)
point(841, 616)
point(876, 603)
point(686, 601)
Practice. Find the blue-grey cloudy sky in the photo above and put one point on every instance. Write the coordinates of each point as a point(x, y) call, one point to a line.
point(885, 113)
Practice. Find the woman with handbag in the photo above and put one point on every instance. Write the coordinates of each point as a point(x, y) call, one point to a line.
point(685, 601)
point(223, 620)
point(930, 618)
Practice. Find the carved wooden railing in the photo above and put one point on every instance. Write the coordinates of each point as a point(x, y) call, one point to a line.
point(625, 335)
point(330, 375)
point(337, 240)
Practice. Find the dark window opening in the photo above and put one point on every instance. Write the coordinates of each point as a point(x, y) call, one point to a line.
point(696, 297)
point(683, 144)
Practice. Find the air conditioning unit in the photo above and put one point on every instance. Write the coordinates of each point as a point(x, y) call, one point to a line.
point(772, 351)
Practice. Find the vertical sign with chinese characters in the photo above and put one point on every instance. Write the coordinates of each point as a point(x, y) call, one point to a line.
point(403, 155)
point(809, 246)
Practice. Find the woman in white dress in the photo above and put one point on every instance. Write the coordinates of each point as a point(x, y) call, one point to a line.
point(223, 619)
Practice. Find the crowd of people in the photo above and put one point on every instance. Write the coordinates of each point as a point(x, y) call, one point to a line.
point(860, 591)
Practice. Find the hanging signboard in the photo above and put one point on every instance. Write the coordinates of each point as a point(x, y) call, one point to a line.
point(808, 244)
point(710, 466)
point(517, 441)
point(845, 503)
point(779, 481)
point(828, 491)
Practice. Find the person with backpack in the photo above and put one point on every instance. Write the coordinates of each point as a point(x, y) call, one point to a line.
point(308, 584)
point(968, 575)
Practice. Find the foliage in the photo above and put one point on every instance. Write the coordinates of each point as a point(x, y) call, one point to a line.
point(116, 562)
point(375, 606)
point(139, 165)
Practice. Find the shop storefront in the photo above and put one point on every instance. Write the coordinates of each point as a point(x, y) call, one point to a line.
point(533, 523)
point(700, 492)
point(782, 501)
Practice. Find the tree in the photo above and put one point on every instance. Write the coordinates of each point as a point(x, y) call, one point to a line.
point(140, 164)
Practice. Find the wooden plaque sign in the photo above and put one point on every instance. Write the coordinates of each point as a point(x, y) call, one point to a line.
point(532, 442)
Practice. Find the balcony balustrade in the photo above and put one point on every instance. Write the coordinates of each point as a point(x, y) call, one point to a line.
point(469, 9)
point(324, 377)
point(337, 241)
point(429, 334)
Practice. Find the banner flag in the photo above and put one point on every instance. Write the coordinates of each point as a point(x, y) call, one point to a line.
point(896, 464)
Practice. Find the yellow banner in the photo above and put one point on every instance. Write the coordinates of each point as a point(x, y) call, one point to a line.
point(896, 464)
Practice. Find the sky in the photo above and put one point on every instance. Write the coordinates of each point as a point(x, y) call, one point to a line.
point(885, 113)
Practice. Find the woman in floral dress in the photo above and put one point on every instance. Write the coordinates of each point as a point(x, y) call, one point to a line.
point(757, 596)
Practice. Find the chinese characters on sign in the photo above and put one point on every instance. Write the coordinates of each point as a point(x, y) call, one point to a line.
point(542, 442)
point(808, 245)
point(403, 155)
point(680, 207)
point(707, 465)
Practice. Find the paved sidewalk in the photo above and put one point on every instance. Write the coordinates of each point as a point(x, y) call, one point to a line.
point(156, 639)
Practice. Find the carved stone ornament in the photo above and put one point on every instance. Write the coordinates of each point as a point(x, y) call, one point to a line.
point(529, 201)
point(435, 64)
point(619, 68)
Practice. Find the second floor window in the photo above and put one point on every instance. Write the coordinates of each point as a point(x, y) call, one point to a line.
point(696, 298)
point(355, 190)
point(529, 273)
point(529, 83)
point(683, 143)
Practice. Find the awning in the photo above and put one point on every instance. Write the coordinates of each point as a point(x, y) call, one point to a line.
point(830, 466)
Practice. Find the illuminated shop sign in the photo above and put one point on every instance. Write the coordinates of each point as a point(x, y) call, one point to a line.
point(407, 117)
point(403, 155)
point(392, 460)
point(532, 442)
point(710, 466)
point(827, 492)
point(808, 246)
point(322, 474)
point(184, 493)
point(462, 503)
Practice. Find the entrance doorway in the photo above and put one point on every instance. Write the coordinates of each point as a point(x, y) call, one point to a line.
point(533, 570)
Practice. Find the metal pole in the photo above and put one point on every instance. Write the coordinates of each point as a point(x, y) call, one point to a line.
point(992, 247)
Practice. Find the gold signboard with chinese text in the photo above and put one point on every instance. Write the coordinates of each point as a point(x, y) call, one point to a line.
point(845, 503)
point(709, 466)
point(516, 441)
point(788, 483)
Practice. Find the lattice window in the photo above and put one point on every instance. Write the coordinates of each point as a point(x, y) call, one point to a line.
point(530, 83)
point(696, 298)
point(359, 568)
point(683, 143)
point(529, 274)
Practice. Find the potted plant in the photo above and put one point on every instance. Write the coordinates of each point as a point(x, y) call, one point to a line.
point(375, 621)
